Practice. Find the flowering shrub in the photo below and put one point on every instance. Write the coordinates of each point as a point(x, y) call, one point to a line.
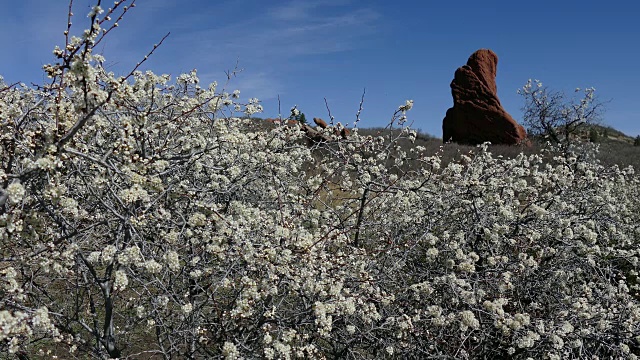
point(140, 218)
point(551, 115)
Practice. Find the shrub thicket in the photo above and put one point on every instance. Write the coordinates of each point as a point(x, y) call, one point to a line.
point(137, 220)
point(553, 116)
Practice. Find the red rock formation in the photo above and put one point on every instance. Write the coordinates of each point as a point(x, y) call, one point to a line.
point(282, 121)
point(314, 136)
point(320, 123)
point(477, 115)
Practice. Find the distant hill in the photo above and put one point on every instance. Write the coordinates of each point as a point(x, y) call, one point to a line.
point(615, 146)
point(606, 134)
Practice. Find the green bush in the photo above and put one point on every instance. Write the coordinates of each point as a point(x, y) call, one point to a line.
point(594, 136)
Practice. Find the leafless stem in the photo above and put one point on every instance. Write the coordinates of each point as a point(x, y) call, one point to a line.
point(359, 108)
point(326, 103)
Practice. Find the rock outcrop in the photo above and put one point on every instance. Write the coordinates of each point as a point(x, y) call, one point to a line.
point(321, 123)
point(315, 135)
point(477, 115)
point(277, 121)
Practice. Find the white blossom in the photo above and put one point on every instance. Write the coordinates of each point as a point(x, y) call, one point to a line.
point(16, 192)
point(120, 281)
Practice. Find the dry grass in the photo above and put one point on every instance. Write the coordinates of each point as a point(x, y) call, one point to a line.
point(616, 148)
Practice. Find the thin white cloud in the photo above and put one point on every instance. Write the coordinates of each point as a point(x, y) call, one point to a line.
point(303, 10)
point(292, 11)
point(269, 43)
point(261, 85)
point(306, 33)
point(252, 84)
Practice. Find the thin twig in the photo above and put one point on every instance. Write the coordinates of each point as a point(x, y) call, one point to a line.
point(329, 110)
point(359, 108)
point(155, 46)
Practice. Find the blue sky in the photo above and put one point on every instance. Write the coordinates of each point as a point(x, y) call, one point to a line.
point(305, 51)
